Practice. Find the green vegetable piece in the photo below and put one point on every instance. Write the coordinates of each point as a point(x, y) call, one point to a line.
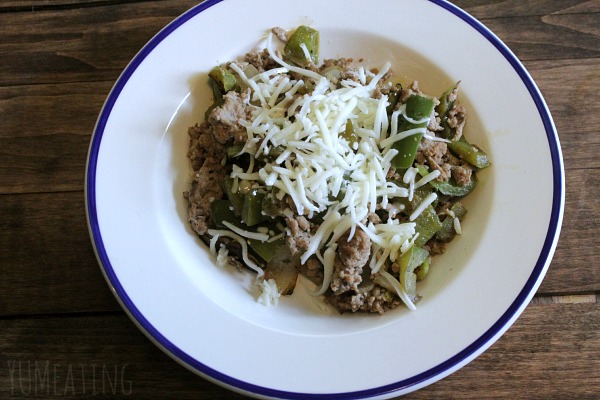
point(419, 255)
point(350, 135)
point(222, 210)
point(234, 150)
point(333, 73)
point(225, 80)
point(450, 187)
point(252, 210)
point(447, 232)
point(266, 250)
point(428, 223)
point(270, 206)
point(217, 98)
point(417, 107)
point(423, 269)
point(446, 103)
point(471, 154)
point(236, 199)
point(293, 50)
point(393, 98)
point(409, 261)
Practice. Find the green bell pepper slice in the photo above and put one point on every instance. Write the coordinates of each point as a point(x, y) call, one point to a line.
point(447, 232)
point(409, 262)
point(417, 107)
point(349, 134)
point(471, 154)
point(266, 250)
point(450, 187)
point(428, 222)
point(423, 269)
point(293, 51)
point(225, 80)
point(221, 210)
point(447, 100)
point(236, 199)
point(252, 210)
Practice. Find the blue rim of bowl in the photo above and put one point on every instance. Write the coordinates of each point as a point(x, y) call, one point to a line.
point(430, 375)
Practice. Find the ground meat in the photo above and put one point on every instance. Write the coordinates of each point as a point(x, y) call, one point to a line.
point(225, 119)
point(460, 170)
point(314, 270)
point(462, 174)
point(205, 188)
point(355, 252)
point(280, 33)
point(348, 266)
point(345, 278)
point(299, 234)
point(406, 93)
point(377, 300)
point(438, 157)
point(456, 120)
point(261, 60)
point(347, 70)
point(435, 124)
point(203, 145)
point(374, 218)
point(431, 152)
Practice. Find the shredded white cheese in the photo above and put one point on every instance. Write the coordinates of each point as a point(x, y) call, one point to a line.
point(215, 233)
point(318, 158)
point(457, 226)
point(263, 237)
point(422, 206)
point(322, 168)
point(269, 294)
point(222, 256)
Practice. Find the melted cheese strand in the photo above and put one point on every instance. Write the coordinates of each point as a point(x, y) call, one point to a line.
point(244, 244)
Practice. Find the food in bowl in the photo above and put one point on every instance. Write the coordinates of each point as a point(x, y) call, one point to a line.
point(331, 170)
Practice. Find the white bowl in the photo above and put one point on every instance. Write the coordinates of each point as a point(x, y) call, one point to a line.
point(207, 318)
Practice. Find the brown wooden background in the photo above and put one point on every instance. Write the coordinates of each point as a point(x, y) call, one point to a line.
point(63, 334)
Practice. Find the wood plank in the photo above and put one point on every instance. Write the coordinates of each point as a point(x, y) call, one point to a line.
point(534, 352)
point(573, 267)
point(549, 37)
point(81, 47)
point(47, 262)
point(45, 132)
point(37, 5)
point(566, 86)
point(79, 44)
point(535, 359)
point(478, 8)
point(490, 9)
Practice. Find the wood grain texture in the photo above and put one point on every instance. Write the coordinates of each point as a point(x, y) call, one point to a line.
point(494, 9)
point(533, 353)
point(46, 259)
point(78, 44)
point(45, 133)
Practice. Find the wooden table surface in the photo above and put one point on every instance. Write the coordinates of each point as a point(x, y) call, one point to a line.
point(62, 333)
